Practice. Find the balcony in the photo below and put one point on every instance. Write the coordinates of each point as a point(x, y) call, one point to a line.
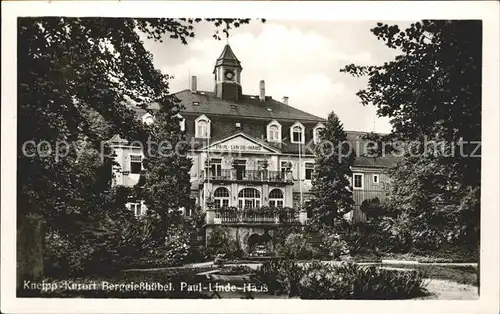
point(263, 175)
point(253, 216)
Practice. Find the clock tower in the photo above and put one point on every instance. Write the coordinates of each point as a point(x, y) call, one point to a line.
point(227, 74)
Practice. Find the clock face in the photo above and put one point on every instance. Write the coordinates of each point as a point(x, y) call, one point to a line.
point(229, 74)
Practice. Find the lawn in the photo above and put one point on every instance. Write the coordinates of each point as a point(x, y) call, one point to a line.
point(460, 274)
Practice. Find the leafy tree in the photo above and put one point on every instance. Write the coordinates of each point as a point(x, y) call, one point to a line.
point(332, 196)
point(431, 91)
point(423, 90)
point(439, 207)
point(373, 208)
point(76, 80)
point(165, 185)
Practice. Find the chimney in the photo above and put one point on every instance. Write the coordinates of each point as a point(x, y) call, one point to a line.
point(194, 88)
point(285, 100)
point(262, 94)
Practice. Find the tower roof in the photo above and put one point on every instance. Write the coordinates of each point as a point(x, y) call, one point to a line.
point(227, 57)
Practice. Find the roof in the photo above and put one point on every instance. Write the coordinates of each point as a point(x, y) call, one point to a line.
point(204, 102)
point(228, 57)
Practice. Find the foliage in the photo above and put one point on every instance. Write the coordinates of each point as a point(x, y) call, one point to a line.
point(376, 283)
point(332, 197)
point(119, 239)
point(364, 240)
point(438, 208)
point(433, 102)
point(422, 85)
point(199, 217)
point(317, 280)
point(297, 246)
point(176, 247)
point(373, 208)
point(333, 243)
point(236, 270)
point(220, 242)
point(348, 281)
point(78, 79)
point(280, 276)
point(280, 235)
point(328, 282)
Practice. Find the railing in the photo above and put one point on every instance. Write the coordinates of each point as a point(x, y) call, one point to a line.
point(263, 175)
point(223, 216)
point(223, 174)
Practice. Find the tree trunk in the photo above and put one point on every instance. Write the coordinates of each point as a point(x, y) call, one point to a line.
point(30, 237)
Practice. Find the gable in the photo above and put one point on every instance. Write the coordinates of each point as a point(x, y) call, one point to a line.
point(240, 143)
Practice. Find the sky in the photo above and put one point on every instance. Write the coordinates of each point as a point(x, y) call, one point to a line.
point(298, 59)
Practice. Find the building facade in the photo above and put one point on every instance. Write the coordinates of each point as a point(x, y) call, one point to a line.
point(250, 152)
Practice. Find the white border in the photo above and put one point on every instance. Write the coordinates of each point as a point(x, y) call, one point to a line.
point(376, 10)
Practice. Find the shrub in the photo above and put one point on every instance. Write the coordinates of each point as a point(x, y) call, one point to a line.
point(335, 245)
point(280, 276)
point(297, 246)
point(328, 282)
point(397, 233)
point(222, 244)
point(345, 280)
point(62, 257)
point(236, 270)
point(373, 208)
point(172, 251)
point(377, 283)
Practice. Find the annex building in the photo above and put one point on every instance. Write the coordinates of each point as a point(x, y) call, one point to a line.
point(250, 152)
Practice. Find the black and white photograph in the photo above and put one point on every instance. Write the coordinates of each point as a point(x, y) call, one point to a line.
point(246, 158)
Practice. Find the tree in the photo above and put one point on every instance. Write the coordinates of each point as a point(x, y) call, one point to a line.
point(431, 91)
point(332, 196)
point(423, 90)
point(165, 185)
point(76, 77)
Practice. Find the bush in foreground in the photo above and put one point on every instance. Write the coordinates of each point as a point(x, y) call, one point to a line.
point(281, 277)
point(340, 281)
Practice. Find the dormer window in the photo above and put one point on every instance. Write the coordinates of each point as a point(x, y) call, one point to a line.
point(274, 132)
point(182, 122)
point(202, 127)
point(148, 119)
point(317, 132)
point(297, 133)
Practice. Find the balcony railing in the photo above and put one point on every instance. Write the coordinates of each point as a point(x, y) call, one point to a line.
point(263, 175)
point(255, 216)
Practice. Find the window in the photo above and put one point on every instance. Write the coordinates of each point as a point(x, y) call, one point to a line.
point(375, 178)
point(297, 133)
point(276, 198)
point(358, 181)
point(262, 164)
point(249, 198)
point(135, 163)
point(221, 197)
point(309, 170)
point(216, 167)
point(317, 132)
point(284, 166)
point(136, 208)
point(202, 129)
point(274, 131)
